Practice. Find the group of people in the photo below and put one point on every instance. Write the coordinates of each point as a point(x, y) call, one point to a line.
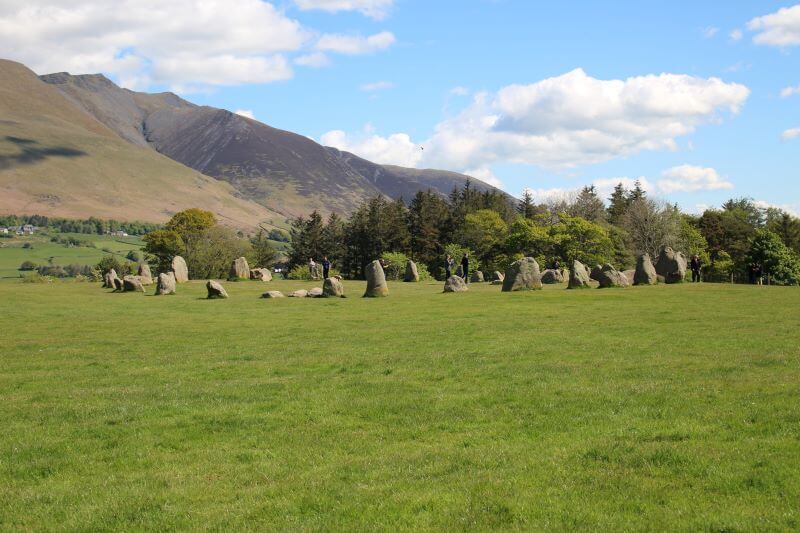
point(450, 265)
point(326, 268)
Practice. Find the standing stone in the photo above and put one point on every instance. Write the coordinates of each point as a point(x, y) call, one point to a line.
point(412, 274)
point(145, 274)
point(376, 281)
point(552, 277)
point(333, 288)
point(240, 270)
point(578, 276)
point(215, 290)
point(180, 270)
point(166, 284)
point(118, 285)
point(273, 294)
point(645, 273)
point(261, 274)
point(671, 265)
point(109, 279)
point(629, 275)
point(522, 275)
point(595, 272)
point(132, 284)
point(610, 277)
point(476, 276)
point(455, 284)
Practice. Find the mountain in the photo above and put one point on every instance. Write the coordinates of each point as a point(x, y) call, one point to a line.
point(57, 159)
point(286, 172)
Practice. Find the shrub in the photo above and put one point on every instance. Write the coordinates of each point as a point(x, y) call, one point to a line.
point(35, 277)
point(54, 271)
point(107, 263)
point(28, 265)
point(301, 272)
point(134, 256)
point(28, 246)
point(394, 265)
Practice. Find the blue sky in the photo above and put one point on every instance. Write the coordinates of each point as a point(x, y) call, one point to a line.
point(528, 94)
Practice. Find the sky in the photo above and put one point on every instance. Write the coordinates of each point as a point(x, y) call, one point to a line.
point(700, 101)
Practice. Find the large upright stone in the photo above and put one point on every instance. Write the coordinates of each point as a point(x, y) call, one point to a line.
point(552, 277)
point(215, 290)
point(578, 276)
point(412, 274)
point(261, 274)
point(166, 284)
point(671, 265)
point(109, 278)
point(376, 281)
point(476, 276)
point(132, 284)
point(240, 270)
point(611, 277)
point(180, 270)
point(455, 284)
point(333, 288)
point(118, 285)
point(522, 275)
point(645, 271)
point(144, 273)
point(595, 272)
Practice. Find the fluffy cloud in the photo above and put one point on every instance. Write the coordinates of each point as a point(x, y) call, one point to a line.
point(355, 44)
point(781, 28)
point(790, 91)
point(376, 9)
point(574, 119)
point(245, 113)
point(689, 178)
point(791, 133)
point(735, 35)
point(397, 149)
point(313, 60)
point(181, 43)
point(376, 86)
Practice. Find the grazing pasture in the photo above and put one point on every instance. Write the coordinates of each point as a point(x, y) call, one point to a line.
point(666, 407)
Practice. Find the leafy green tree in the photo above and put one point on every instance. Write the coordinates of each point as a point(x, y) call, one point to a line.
point(333, 239)
point(526, 207)
point(779, 263)
point(588, 205)
point(485, 232)
point(262, 252)
point(307, 239)
point(786, 227)
point(691, 240)
point(651, 225)
point(617, 204)
point(576, 238)
point(527, 237)
point(429, 225)
point(163, 245)
point(107, 263)
point(190, 221)
point(394, 265)
point(213, 250)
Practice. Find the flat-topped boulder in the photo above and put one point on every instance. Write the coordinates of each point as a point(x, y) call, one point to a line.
point(333, 288)
point(376, 281)
point(522, 275)
point(316, 292)
point(179, 269)
point(261, 274)
point(455, 284)
point(300, 293)
point(132, 284)
point(166, 284)
point(273, 294)
point(578, 276)
point(476, 276)
point(412, 273)
point(611, 277)
point(144, 273)
point(215, 290)
point(240, 270)
point(671, 265)
point(552, 277)
point(645, 273)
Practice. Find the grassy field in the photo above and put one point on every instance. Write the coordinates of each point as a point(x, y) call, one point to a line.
point(657, 408)
point(12, 254)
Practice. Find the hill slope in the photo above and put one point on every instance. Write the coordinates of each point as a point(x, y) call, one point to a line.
point(277, 168)
point(57, 159)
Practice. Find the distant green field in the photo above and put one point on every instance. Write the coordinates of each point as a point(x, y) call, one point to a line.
point(669, 407)
point(12, 254)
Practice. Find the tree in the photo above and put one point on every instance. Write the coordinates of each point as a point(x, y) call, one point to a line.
point(262, 254)
point(526, 208)
point(530, 239)
point(190, 221)
point(212, 252)
point(576, 238)
point(786, 227)
point(307, 240)
point(429, 226)
point(163, 245)
point(588, 205)
point(333, 239)
point(617, 204)
point(691, 241)
point(651, 225)
point(779, 263)
point(485, 232)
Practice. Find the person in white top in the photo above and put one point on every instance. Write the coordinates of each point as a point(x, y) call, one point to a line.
point(312, 268)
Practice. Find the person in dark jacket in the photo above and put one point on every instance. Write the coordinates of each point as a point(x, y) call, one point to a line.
point(326, 268)
point(465, 267)
point(696, 265)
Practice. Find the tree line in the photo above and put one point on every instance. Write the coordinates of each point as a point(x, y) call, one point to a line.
point(496, 230)
point(87, 226)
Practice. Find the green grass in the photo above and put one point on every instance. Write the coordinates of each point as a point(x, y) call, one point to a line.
point(13, 254)
point(668, 407)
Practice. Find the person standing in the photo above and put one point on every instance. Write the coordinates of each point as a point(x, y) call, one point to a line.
point(326, 268)
point(696, 265)
point(448, 266)
point(465, 267)
point(312, 268)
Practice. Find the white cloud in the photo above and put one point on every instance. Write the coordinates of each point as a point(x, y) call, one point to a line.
point(790, 91)
point(376, 86)
point(355, 44)
point(605, 186)
point(555, 194)
point(791, 133)
point(396, 149)
point(376, 9)
point(690, 178)
point(245, 113)
point(735, 35)
point(781, 28)
point(313, 60)
point(486, 175)
point(710, 32)
point(459, 91)
point(792, 209)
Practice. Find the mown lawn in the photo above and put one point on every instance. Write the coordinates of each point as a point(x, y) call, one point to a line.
point(669, 407)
